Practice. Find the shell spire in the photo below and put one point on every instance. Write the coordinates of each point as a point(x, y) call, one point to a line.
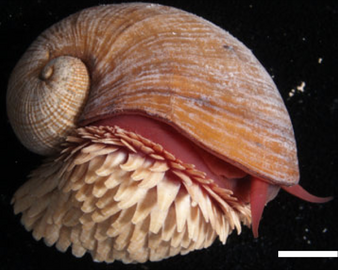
point(44, 100)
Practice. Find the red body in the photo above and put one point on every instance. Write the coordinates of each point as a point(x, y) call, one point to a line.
point(245, 187)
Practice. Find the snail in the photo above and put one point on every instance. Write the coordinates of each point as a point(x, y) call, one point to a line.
point(163, 132)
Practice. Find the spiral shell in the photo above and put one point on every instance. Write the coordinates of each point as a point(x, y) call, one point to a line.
point(167, 64)
point(44, 100)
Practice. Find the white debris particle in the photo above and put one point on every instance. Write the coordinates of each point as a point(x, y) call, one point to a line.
point(300, 88)
point(320, 60)
point(324, 230)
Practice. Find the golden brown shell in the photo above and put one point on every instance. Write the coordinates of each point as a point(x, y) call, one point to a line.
point(176, 67)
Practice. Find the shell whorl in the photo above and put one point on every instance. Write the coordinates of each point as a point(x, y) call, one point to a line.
point(185, 71)
point(44, 100)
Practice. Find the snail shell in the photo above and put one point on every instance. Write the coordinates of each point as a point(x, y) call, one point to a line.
point(113, 191)
point(136, 65)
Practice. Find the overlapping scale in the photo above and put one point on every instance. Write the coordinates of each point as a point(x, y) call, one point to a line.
point(130, 212)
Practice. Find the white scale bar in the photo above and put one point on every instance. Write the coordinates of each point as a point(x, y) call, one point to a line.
point(307, 254)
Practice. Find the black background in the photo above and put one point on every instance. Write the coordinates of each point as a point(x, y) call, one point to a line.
point(289, 38)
